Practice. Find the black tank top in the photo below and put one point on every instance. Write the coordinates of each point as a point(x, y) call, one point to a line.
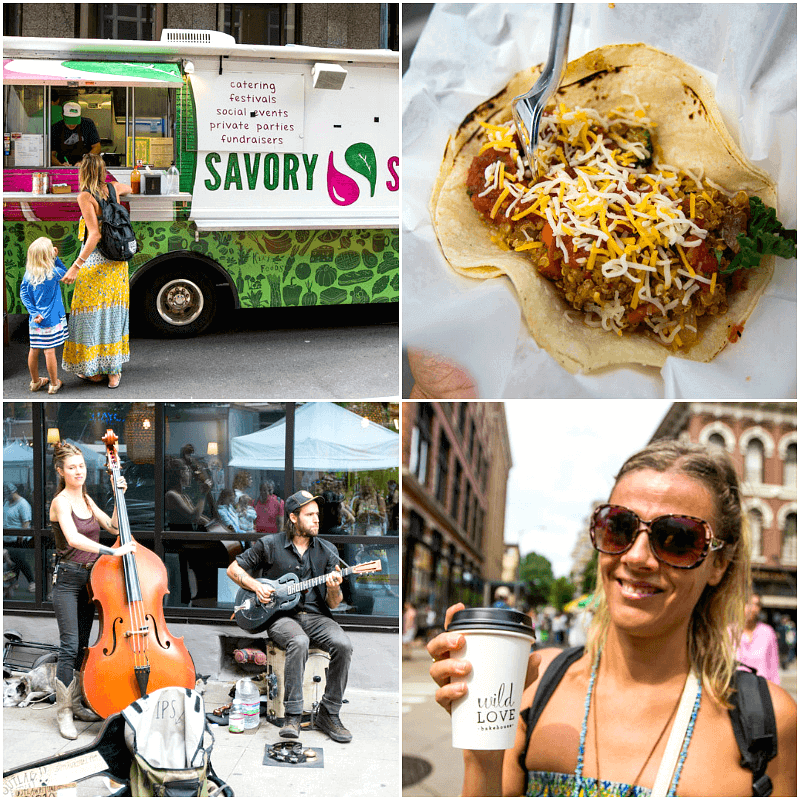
point(88, 527)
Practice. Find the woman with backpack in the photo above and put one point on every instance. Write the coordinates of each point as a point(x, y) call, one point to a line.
point(97, 345)
point(653, 703)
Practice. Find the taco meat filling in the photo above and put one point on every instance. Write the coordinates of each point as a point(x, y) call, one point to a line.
point(630, 242)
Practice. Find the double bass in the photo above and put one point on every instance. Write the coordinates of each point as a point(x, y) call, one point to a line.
point(134, 653)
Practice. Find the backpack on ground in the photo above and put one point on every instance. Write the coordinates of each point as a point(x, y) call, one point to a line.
point(117, 239)
point(167, 733)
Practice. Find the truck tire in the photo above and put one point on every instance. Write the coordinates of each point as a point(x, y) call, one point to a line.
point(180, 304)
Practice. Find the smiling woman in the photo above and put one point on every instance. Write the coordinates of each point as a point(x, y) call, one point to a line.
point(672, 583)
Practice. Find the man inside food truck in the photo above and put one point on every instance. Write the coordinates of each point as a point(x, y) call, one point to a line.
point(72, 137)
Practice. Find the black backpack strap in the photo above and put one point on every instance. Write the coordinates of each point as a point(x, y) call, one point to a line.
point(547, 685)
point(753, 720)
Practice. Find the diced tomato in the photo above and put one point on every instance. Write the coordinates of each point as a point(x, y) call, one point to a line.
point(638, 314)
point(553, 268)
point(702, 259)
point(735, 333)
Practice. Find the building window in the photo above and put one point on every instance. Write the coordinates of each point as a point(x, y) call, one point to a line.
point(421, 443)
point(717, 440)
point(464, 516)
point(756, 532)
point(125, 21)
point(442, 469)
point(789, 540)
point(256, 23)
point(790, 466)
point(456, 502)
point(754, 462)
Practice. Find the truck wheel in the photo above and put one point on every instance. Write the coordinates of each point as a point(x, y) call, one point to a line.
point(180, 305)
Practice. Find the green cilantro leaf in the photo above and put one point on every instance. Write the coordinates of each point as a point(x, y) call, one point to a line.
point(765, 236)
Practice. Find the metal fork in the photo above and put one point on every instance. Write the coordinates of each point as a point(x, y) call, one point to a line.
point(527, 108)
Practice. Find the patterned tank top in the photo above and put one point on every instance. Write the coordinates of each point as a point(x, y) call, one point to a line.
point(88, 527)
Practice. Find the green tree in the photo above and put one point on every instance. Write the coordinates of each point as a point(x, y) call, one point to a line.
point(537, 574)
point(561, 592)
point(589, 577)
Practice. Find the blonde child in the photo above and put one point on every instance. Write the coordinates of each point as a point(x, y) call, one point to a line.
point(41, 295)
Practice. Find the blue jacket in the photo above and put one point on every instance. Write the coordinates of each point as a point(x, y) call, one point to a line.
point(45, 299)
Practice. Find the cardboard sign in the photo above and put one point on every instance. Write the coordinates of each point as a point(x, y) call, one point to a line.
point(257, 112)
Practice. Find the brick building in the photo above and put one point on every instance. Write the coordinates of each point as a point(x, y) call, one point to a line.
point(456, 460)
point(762, 440)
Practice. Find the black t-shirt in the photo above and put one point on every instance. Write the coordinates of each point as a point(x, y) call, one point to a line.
point(276, 555)
point(73, 143)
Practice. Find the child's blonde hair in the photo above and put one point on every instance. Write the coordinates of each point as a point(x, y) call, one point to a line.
point(41, 261)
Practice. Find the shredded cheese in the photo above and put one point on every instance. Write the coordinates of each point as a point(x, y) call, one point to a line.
point(609, 217)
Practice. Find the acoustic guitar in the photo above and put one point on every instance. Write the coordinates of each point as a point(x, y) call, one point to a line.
point(253, 616)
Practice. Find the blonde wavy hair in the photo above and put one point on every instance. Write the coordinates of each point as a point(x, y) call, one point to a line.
point(92, 174)
point(718, 618)
point(61, 452)
point(40, 261)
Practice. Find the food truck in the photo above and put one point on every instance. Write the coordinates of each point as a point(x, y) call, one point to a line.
point(288, 162)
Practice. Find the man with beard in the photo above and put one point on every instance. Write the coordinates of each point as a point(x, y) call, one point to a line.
point(298, 550)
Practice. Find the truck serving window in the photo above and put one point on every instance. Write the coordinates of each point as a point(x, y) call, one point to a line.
point(104, 118)
point(23, 126)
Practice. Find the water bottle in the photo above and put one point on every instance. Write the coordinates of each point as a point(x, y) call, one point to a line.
point(236, 718)
point(172, 184)
point(248, 695)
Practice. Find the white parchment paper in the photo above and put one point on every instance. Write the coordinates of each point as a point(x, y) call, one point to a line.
point(466, 54)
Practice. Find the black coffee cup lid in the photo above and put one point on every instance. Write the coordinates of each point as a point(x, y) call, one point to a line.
point(505, 620)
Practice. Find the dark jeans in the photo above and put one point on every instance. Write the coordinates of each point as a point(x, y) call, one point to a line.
point(294, 634)
point(74, 614)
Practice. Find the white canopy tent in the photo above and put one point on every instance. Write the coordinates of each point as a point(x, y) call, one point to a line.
point(327, 437)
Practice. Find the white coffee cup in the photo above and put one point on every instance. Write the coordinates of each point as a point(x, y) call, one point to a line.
point(498, 643)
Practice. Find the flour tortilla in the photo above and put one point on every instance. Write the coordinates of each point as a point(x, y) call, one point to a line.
point(689, 134)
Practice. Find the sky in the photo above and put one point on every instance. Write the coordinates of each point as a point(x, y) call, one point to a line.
point(565, 454)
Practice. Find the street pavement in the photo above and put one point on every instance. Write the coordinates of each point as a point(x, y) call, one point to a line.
point(431, 767)
point(330, 352)
point(366, 767)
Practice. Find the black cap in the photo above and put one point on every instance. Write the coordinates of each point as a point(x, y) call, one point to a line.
point(499, 619)
point(298, 500)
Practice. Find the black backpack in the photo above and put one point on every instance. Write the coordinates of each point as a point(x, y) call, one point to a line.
point(752, 717)
point(117, 239)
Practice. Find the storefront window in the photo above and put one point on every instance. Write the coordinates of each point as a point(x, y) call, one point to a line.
point(349, 454)
point(220, 486)
point(23, 126)
point(205, 481)
point(18, 501)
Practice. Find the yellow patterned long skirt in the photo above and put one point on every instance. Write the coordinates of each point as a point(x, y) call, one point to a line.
point(98, 320)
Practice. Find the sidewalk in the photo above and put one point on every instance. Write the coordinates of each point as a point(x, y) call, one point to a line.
point(431, 767)
point(365, 767)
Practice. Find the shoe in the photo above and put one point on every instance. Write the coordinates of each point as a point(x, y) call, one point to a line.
point(40, 383)
point(90, 378)
point(112, 384)
point(79, 710)
point(332, 725)
point(54, 387)
point(291, 727)
point(32, 587)
point(66, 727)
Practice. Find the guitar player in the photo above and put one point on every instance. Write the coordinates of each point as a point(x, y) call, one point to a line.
point(298, 550)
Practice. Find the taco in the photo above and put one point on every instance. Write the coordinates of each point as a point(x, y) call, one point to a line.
point(641, 231)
